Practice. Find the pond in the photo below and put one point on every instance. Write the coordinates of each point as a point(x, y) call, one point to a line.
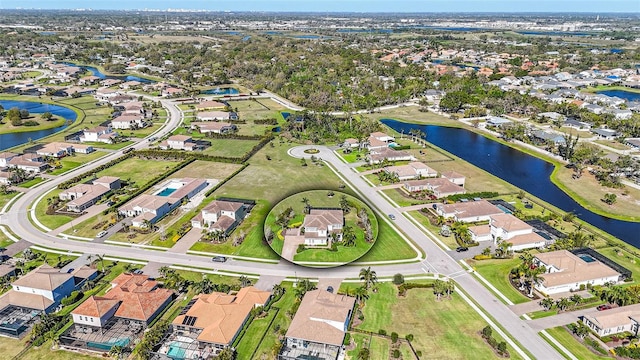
point(518, 168)
point(221, 91)
point(96, 72)
point(14, 139)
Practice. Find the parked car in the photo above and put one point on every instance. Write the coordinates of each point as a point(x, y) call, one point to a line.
point(126, 151)
point(137, 271)
point(604, 307)
point(101, 234)
point(219, 258)
point(70, 271)
point(392, 217)
point(462, 248)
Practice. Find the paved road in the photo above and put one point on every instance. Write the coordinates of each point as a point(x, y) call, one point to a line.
point(438, 260)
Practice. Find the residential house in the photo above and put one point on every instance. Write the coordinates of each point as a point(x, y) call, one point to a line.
point(214, 320)
point(213, 116)
point(319, 326)
point(105, 94)
point(543, 137)
point(171, 91)
point(131, 297)
point(44, 287)
point(496, 121)
point(470, 211)
point(351, 143)
point(82, 196)
point(413, 170)
point(32, 163)
point(102, 134)
point(211, 105)
point(378, 141)
point(387, 154)
point(151, 208)
point(506, 227)
point(614, 321)
point(5, 157)
point(7, 177)
point(576, 124)
point(566, 271)
point(128, 121)
point(551, 115)
point(440, 187)
point(621, 114)
point(180, 142)
point(220, 215)
point(214, 127)
point(633, 142)
point(321, 224)
point(607, 134)
point(454, 177)
point(55, 150)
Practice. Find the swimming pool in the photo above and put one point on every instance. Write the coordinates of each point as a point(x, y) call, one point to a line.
point(504, 209)
point(175, 351)
point(166, 192)
point(586, 258)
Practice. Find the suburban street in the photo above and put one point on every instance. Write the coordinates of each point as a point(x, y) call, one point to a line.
point(437, 260)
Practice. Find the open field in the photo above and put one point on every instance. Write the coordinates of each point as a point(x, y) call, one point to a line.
point(50, 221)
point(72, 162)
point(206, 170)
point(229, 147)
point(257, 109)
point(624, 258)
point(613, 144)
point(445, 329)
point(378, 346)
point(496, 272)
point(5, 198)
point(139, 171)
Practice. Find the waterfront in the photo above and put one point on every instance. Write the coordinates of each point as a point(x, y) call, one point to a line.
point(518, 168)
point(10, 140)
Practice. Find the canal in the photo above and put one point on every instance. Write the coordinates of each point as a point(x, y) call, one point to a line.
point(518, 168)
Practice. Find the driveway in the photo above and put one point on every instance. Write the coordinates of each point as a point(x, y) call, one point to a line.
point(91, 212)
point(291, 241)
point(187, 241)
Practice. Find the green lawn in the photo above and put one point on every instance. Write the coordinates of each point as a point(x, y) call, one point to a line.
point(282, 321)
point(4, 240)
point(5, 198)
point(43, 124)
point(399, 198)
point(562, 335)
point(496, 272)
point(445, 329)
point(378, 346)
point(389, 246)
point(138, 170)
point(251, 338)
point(50, 221)
point(624, 258)
point(450, 241)
point(229, 147)
point(31, 183)
point(353, 156)
point(72, 162)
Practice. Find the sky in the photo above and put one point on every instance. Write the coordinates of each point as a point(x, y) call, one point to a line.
point(595, 6)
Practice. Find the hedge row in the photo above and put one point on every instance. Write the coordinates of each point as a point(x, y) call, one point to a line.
point(481, 195)
point(69, 183)
point(265, 140)
point(402, 289)
point(182, 155)
point(234, 136)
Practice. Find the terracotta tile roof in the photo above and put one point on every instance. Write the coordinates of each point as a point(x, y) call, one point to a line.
point(139, 298)
point(317, 309)
point(96, 306)
point(220, 316)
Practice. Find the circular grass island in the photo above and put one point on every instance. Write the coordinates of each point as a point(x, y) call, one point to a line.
point(311, 151)
point(321, 228)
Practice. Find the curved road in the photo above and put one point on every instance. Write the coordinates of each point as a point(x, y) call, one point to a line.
point(438, 260)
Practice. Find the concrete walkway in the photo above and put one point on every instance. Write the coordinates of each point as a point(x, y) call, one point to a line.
point(387, 187)
point(187, 241)
point(17, 247)
point(524, 308)
point(266, 282)
point(414, 207)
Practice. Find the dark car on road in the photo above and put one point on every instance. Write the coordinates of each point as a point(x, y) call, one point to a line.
point(604, 307)
point(462, 248)
point(219, 259)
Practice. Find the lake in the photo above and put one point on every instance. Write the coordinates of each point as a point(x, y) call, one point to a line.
point(15, 139)
point(221, 91)
point(518, 168)
point(96, 72)
point(627, 95)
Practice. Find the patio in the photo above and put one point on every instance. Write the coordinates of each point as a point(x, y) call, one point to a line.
point(117, 332)
point(15, 320)
point(312, 351)
point(180, 344)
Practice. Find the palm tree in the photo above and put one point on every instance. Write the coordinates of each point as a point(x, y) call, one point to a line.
point(361, 294)
point(348, 236)
point(204, 286)
point(547, 303)
point(563, 303)
point(244, 281)
point(128, 268)
point(278, 290)
point(100, 258)
point(364, 354)
point(116, 351)
point(368, 277)
point(439, 288)
point(302, 287)
point(534, 278)
point(575, 299)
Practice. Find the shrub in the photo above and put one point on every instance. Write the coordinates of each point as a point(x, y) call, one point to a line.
point(301, 248)
point(482, 257)
point(382, 332)
point(487, 332)
point(398, 279)
point(347, 339)
point(419, 353)
point(394, 337)
point(502, 347)
point(582, 287)
point(396, 353)
point(409, 337)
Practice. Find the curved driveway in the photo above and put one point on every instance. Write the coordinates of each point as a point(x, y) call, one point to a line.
point(438, 260)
